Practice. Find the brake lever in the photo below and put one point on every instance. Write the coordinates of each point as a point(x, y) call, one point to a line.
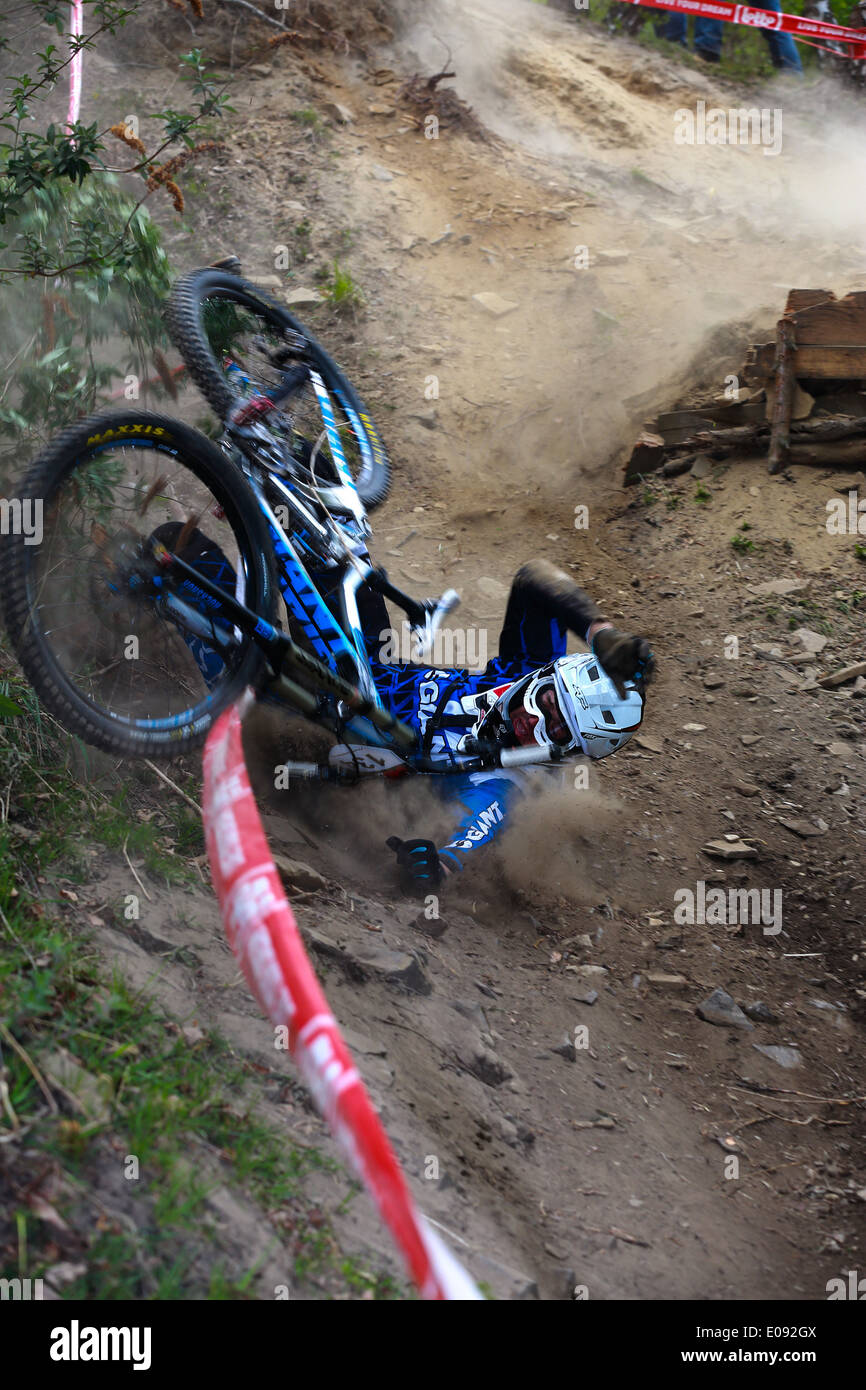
point(433, 621)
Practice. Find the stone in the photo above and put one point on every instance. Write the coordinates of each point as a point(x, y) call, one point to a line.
point(661, 980)
point(787, 1057)
point(394, 967)
point(303, 295)
point(720, 1009)
point(734, 848)
point(337, 112)
point(749, 740)
point(90, 1094)
point(589, 997)
point(473, 1011)
point(566, 1049)
point(434, 927)
point(494, 303)
point(806, 829)
point(759, 1012)
point(488, 1068)
point(381, 175)
point(651, 742)
point(777, 586)
point(296, 874)
point(364, 961)
point(812, 641)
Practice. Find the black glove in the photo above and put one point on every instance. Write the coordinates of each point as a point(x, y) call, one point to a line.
point(418, 862)
point(622, 657)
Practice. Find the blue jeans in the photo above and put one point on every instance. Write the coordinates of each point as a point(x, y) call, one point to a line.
point(708, 35)
point(708, 32)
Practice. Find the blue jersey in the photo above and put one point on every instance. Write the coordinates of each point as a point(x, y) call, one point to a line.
point(443, 705)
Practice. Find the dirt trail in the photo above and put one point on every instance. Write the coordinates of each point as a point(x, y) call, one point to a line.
point(602, 1167)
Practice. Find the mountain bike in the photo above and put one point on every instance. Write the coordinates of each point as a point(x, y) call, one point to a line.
point(149, 603)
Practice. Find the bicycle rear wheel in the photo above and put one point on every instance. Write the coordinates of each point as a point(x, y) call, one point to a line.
point(236, 340)
point(119, 651)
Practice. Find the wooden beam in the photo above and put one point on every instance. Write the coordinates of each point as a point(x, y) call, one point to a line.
point(786, 382)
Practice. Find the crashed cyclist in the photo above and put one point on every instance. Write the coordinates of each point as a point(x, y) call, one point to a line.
point(530, 695)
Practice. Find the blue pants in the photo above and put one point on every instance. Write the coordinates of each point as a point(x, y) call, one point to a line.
point(708, 32)
point(708, 35)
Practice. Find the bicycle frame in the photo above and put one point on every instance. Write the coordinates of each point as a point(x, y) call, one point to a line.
point(310, 548)
point(335, 684)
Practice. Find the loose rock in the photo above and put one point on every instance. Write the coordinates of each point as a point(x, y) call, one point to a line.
point(494, 303)
point(787, 1057)
point(719, 1008)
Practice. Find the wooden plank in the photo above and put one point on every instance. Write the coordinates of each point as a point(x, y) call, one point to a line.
point(804, 299)
point(842, 321)
point(718, 412)
point(845, 362)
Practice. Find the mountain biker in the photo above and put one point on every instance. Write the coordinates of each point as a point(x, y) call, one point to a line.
point(530, 695)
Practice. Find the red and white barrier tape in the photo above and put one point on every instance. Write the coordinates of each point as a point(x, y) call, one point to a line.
point(793, 24)
point(76, 65)
point(264, 936)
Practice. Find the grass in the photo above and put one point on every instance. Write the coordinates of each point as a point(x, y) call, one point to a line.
point(339, 288)
point(121, 1180)
point(311, 123)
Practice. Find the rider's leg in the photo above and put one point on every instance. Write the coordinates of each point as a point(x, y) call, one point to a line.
point(375, 620)
point(544, 605)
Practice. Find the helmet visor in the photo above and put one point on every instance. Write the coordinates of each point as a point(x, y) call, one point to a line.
point(536, 715)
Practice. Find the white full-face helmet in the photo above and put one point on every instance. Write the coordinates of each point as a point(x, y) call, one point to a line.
point(571, 705)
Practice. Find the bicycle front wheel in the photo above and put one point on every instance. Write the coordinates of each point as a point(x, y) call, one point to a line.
point(123, 654)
